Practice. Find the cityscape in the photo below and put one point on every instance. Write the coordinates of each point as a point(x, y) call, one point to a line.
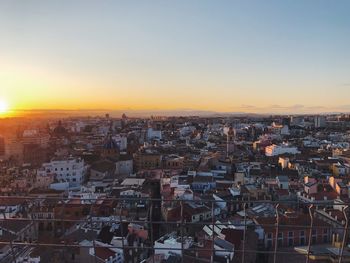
point(180, 131)
point(175, 189)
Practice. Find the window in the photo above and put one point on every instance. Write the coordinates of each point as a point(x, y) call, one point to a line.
point(302, 237)
point(314, 236)
point(280, 239)
point(269, 240)
point(290, 238)
point(325, 239)
point(269, 243)
point(325, 235)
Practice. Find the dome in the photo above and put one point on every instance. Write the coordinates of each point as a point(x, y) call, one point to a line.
point(60, 129)
point(110, 149)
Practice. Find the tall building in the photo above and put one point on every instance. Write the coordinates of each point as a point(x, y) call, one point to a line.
point(286, 121)
point(320, 121)
point(230, 140)
point(296, 120)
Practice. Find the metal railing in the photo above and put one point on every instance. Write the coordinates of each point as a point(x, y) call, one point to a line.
point(89, 219)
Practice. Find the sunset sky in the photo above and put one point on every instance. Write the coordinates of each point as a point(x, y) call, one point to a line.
point(227, 56)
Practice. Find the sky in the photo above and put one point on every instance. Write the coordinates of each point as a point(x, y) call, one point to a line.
point(224, 56)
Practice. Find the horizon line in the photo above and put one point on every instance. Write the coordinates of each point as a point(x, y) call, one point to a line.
point(177, 111)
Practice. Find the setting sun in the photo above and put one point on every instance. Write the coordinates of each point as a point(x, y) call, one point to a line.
point(3, 107)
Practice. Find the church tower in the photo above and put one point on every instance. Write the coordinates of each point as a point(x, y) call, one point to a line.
point(230, 141)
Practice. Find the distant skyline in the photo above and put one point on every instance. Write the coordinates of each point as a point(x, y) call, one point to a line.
point(61, 113)
point(290, 56)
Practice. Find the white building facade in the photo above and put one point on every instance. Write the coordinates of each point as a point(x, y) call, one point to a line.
point(71, 170)
point(275, 150)
point(153, 134)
